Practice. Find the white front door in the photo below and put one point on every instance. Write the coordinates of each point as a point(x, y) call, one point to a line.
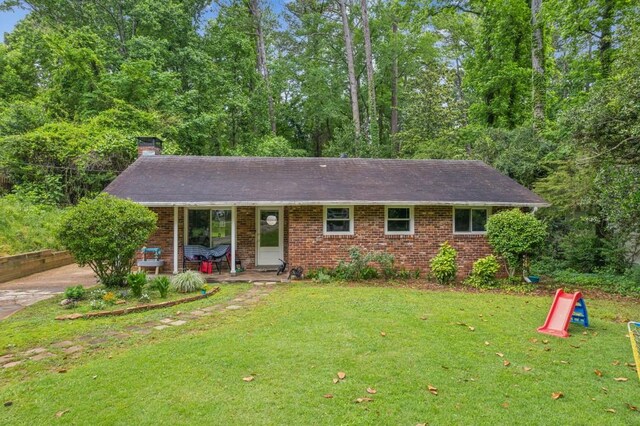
point(269, 236)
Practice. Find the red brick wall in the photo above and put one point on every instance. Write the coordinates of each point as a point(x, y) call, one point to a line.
point(163, 237)
point(309, 248)
point(305, 245)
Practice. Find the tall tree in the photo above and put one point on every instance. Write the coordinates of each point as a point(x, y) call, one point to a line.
point(371, 81)
point(351, 70)
point(537, 64)
point(256, 13)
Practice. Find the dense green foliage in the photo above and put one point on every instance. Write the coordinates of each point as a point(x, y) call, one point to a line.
point(136, 282)
point(74, 293)
point(105, 233)
point(453, 79)
point(483, 273)
point(162, 285)
point(25, 226)
point(515, 236)
point(443, 265)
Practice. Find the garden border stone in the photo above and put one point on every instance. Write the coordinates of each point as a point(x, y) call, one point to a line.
point(137, 308)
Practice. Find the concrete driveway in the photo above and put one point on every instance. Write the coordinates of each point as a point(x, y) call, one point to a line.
point(16, 294)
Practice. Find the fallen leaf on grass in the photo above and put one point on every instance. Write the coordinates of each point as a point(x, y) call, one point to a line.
point(248, 378)
point(620, 379)
point(610, 410)
point(61, 413)
point(423, 318)
point(545, 341)
point(372, 391)
point(421, 424)
point(598, 373)
point(533, 340)
point(364, 399)
point(472, 328)
point(616, 362)
point(500, 354)
point(506, 363)
point(505, 405)
point(8, 403)
point(328, 396)
point(547, 348)
point(605, 389)
point(341, 375)
point(335, 380)
point(433, 389)
point(486, 343)
point(564, 362)
point(630, 364)
point(527, 368)
point(382, 333)
point(62, 370)
point(575, 346)
point(557, 395)
point(632, 407)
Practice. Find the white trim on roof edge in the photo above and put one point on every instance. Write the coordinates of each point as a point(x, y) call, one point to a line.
point(338, 203)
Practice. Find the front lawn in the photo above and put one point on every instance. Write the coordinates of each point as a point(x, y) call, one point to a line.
point(480, 351)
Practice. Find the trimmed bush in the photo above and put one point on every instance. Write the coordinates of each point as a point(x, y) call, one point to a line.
point(105, 233)
point(74, 293)
point(515, 236)
point(484, 272)
point(188, 282)
point(443, 265)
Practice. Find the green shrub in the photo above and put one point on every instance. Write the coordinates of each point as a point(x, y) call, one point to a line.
point(161, 284)
point(188, 282)
point(322, 277)
point(443, 265)
point(137, 282)
point(359, 266)
point(105, 233)
point(515, 236)
point(483, 273)
point(74, 293)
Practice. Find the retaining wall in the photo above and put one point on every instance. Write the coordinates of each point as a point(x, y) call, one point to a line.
point(21, 265)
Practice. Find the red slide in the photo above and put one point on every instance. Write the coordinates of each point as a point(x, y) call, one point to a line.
point(559, 316)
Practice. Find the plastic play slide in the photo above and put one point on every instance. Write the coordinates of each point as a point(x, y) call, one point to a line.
point(560, 313)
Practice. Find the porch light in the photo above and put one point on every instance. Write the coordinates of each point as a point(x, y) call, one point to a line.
point(272, 220)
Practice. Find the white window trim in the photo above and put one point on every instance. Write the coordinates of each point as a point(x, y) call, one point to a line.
point(453, 220)
point(386, 221)
point(324, 221)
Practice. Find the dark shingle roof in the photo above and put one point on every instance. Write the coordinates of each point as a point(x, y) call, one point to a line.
point(165, 180)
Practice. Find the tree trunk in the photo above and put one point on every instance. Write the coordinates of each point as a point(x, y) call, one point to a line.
point(353, 84)
point(604, 47)
point(256, 14)
point(394, 85)
point(537, 65)
point(371, 86)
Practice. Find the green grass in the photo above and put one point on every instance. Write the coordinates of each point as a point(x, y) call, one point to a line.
point(295, 342)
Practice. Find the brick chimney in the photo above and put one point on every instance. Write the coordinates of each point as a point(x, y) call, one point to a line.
point(149, 145)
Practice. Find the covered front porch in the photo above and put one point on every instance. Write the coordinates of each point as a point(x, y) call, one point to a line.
point(253, 238)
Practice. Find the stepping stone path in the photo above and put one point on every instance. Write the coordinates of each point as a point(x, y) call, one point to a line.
point(71, 348)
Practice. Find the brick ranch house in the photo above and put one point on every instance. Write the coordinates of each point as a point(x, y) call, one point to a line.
point(310, 211)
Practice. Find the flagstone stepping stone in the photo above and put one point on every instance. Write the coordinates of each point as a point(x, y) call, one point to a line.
point(41, 356)
point(179, 322)
point(12, 364)
point(199, 313)
point(166, 320)
point(161, 327)
point(63, 344)
point(73, 349)
point(270, 283)
point(234, 307)
point(34, 351)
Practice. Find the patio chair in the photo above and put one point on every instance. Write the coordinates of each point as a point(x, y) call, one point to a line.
point(194, 254)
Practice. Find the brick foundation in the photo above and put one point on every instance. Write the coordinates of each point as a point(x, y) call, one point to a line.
point(305, 244)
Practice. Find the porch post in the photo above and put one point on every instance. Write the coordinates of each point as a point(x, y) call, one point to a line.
point(175, 239)
point(232, 267)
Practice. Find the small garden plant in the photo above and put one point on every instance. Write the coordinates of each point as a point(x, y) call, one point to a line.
point(188, 282)
point(136, 282)
point(162, 285)
point(74, 293)
point(484, 272)
point(443, 265)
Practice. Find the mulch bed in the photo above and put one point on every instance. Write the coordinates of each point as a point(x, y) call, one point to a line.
point(138, 308)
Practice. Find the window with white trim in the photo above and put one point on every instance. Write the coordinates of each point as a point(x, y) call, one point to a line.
point(470, 220)
point(208, 227)
point(398, 220)
point(338, 220)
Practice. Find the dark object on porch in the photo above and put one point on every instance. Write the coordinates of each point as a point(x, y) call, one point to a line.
point(297, 273)
point(282, 267)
